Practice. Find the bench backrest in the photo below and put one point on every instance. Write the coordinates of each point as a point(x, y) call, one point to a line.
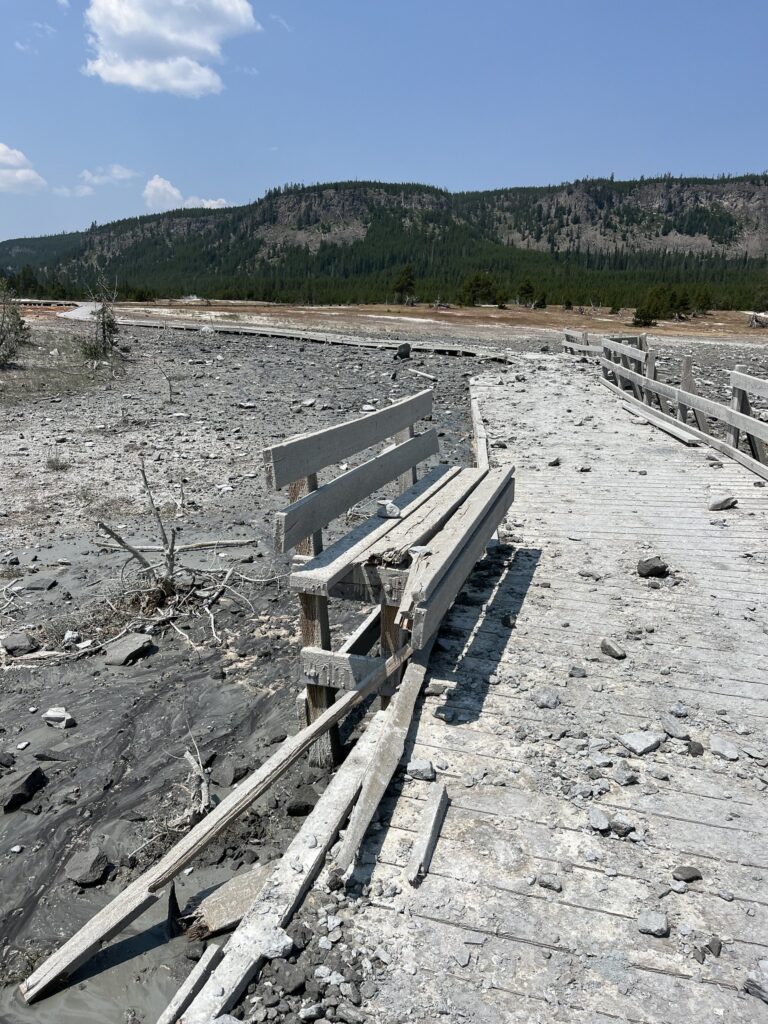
point(296, 462)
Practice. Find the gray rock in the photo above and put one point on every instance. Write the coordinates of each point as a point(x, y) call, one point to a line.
point(624, 775)
point(17, 644)
point(18, 788)
point(420, 768)
point(128, 649)
point(678, 887)
point(621, 826)
point(546, 698)
point(714, 946)
point(673, 728)
point(757, 981)
point(652, 567)
point(87, 867)
point(40, 582)
point(640, 743)
point(721, 504)
point(403, 351)
point(598, 820)
point(679, 710)
point(58, 718)
point(577, 672)
point(312, 1012)
point(653, 922)
point(551, 882)
point(686, 873)
point(612, 649)
point(723, 748)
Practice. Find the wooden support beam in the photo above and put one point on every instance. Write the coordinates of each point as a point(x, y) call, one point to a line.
point(300, 456)
point(392, 637)
point(410, 476)
point(428, 833)
point(143, 891)
point(334, 670)
point(688, 385)
point(261, 930)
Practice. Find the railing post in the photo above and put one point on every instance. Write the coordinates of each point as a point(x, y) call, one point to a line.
point(688, 384)
point(409, 478)
point(737, 400)
point(740, 403)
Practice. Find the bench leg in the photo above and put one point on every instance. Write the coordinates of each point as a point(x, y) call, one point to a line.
point(392, 639)
point(316, 632)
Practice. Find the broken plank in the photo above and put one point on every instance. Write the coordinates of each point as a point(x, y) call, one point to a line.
point(429, 830)
point(222, 909)
point(337, 670)
point(386, 758)
point(194, 982)
point(319, 575)
point(142, 893)
point(262, 928)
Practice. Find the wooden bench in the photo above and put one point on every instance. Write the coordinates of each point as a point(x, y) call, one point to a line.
point(410, 566)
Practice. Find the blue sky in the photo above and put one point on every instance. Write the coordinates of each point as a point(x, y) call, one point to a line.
point(116, 107)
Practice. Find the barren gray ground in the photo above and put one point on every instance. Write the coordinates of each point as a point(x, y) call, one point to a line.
point(199, 408)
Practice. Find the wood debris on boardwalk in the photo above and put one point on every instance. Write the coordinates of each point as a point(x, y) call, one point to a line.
point(601, 734)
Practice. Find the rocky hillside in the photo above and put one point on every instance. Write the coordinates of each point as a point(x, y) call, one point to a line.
point(362, 231)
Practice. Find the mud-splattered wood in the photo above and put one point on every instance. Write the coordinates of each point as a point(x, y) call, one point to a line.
point(261, 930)
point(429, 829)
point(143, 892)
point(194, 982)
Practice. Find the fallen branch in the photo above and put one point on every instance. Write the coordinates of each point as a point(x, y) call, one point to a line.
point(183, 548)
point(134, 552)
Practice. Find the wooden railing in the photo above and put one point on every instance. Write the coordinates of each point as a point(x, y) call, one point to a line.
point(629, 369)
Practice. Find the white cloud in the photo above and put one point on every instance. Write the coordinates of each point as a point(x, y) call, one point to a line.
point(77, 192)
point(63, 3)
point(108, 175)
point(16, 172)
point(159, 194)
point(24, 47)
point(43, 28)
point(164, 45)
point(282, 22)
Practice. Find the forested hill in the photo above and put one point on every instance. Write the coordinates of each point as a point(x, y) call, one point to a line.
point(593, 240)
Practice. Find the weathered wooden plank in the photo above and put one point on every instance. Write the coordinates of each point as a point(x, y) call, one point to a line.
point(429, 830)
point(423, 524)
point(410, 476)
point(317, 576)
point(330, 500)
point(753, 385)
point(194, 982)
point(714, 442)
point(480, 437)
point(429, 567)
point(629, 351)
point(715, 409)
point(262, 927)
point(142, 892)
point(639, 409)
point(222, 909)
point(334, 669)
point(386, 758)
point(307, 453)
point(428, 614)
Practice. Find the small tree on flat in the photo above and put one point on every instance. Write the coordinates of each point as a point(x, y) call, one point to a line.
point(100, 343)
point(405, 285)
point(13, 331)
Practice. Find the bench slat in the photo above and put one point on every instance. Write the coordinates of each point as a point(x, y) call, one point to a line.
point(307, 453)
point(424, 523)
point(428, 615)
point(317, 576)
point(429, 569)
point(316, 510)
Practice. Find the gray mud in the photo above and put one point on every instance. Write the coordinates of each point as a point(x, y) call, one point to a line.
point(199, 408)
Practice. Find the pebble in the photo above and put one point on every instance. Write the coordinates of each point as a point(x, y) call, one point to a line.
point(612, 649)
point(551, 882)
point(422, 769)
point(58, 718)
point(723, 748)
point(686, 873)
point(654, 566)
point(673, 728)
point(598, 820)
point(721, 504)
point(640, 743)
point(87, 867)
point(653, 922)
point(546, 698)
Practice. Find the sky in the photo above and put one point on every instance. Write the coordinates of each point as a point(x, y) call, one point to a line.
point(113, 108)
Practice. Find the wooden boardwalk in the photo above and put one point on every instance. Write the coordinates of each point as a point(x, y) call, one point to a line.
point(528, 912)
